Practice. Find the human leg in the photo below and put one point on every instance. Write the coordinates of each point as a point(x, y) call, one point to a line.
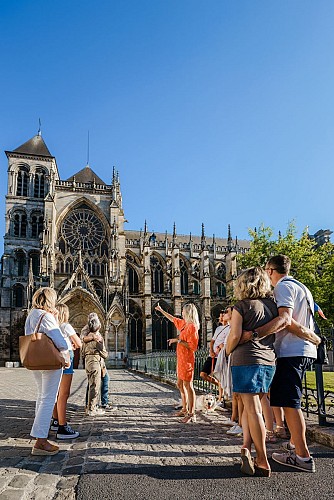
point(105, 389)
point(191, 396)
point(207, 369)
point(63, 395)
point(184, 397)
point(257, 428)
point(297, 427)
point(93, 369)
point(47, 382)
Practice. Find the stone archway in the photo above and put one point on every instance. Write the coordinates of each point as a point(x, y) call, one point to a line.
point(80, 304)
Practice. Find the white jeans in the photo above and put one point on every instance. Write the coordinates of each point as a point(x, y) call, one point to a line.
point(47, 382)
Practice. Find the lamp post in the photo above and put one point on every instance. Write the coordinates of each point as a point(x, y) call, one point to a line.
point(117, 323)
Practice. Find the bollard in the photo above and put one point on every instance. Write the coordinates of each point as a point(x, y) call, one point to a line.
point(319, 381)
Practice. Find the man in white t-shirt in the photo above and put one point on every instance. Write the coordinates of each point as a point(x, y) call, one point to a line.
point(295, 347)
point(218, 340)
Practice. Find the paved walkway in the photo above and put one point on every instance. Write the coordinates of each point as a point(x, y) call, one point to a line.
point(140, 437)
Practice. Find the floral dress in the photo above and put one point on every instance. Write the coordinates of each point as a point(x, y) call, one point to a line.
point(185, 356)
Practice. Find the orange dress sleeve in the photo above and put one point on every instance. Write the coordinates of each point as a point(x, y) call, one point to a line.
point(179, 323)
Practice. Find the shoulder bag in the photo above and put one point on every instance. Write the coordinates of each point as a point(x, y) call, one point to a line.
point(38, 352)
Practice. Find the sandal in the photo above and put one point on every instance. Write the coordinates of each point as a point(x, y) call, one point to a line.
point(181, 413)
point(247, 464)
point(271, 437)
point(261, 471)
point(281, 432)
point(191, 417)
point(47, 449)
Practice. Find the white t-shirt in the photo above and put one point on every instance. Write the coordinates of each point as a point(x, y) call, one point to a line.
point(291, 295)
point(220, 335)
point(68, 331)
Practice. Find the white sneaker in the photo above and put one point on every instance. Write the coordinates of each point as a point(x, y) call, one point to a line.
point(230, 422)
point(96, 412)
point(236, 430)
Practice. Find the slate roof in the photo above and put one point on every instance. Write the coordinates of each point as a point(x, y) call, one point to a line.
point(34, 147)
point(87, 175)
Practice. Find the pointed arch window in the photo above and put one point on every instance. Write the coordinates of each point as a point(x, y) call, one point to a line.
point(196, 287)
point(21, 262)
point(39, 184)
point(157, 276)
point(104, 249)
point(37, 224)
point(22, 182)
point(35, 261)
point(88, 267)
point(68, 266)
point(18, 296)
point(221, 272)
point(133, 282)
point(162, 328)
point(221, 290)
point(20, 224)
point(135, 327)
point(184, 277)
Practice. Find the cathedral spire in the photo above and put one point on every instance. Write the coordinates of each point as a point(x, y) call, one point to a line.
point(203, 241)
point(229, 239)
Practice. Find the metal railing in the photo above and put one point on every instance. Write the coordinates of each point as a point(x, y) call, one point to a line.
point(162, 364)
point(318, 398)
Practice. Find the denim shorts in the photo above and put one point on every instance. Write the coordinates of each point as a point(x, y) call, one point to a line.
point(287, 386)
point(252, 378)
point(70, 370)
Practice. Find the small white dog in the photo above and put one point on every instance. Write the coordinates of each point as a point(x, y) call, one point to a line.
point(206, 403)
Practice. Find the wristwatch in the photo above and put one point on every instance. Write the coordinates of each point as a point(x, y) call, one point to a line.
point(255, 335)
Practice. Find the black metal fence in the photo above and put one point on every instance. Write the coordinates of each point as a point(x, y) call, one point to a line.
point(318, 391)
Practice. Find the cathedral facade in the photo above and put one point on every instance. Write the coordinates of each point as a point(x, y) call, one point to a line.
point(70, 235)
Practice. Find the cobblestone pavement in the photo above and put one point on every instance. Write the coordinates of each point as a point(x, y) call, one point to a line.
point(142, 432)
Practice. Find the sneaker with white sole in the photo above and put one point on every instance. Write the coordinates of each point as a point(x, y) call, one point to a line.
point(236, 430)
point(96, 412)
point(291, 460)
point(109, 407)
point(230, 422)
point(54, 424)
point(66, 432)
point(287, 446)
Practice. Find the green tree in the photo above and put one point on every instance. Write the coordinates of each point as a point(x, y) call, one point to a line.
point(312, 265)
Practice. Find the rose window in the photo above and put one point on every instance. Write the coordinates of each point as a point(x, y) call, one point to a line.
point(82, 230)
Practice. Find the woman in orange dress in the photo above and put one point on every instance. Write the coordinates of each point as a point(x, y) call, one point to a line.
point(185, 352)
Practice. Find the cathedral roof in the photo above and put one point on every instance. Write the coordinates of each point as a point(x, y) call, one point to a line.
point(86, 175)
point(34, 147)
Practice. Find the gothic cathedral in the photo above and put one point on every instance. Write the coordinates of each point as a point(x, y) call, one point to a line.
point(69, 234)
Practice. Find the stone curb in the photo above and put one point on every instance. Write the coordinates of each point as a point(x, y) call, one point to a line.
point(314, 432)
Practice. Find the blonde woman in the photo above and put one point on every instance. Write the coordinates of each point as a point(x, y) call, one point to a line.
point(59, 423)
point(253, 363)
point(186, 347)
point(42, 317)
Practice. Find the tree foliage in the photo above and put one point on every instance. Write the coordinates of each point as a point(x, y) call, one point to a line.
point(312, 265)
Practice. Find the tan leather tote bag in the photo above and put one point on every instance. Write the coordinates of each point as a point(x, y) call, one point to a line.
point(38, 352)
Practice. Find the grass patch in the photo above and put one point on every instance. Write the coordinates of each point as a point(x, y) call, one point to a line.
point(328, 380)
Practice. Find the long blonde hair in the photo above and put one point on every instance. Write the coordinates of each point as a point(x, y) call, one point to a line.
point(191, 315)
point(45, 298)
point(64, 313)
point(253, 283)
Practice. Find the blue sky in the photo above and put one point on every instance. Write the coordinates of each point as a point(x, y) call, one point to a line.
point(219, 112)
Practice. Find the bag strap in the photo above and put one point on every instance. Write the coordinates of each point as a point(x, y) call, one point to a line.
point(38, 325)
point(305, 292)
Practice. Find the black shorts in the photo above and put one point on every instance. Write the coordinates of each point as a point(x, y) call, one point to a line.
point(207, 367)
point(287, 386)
